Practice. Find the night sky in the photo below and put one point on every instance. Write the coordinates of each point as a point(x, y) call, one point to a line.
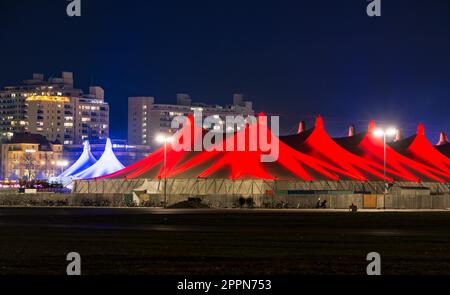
point(295, 58)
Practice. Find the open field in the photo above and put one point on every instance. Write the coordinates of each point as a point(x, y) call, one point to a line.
point(229, 242)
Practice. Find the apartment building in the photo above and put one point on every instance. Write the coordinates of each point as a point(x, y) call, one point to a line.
point(147, 118)
point(55, 109)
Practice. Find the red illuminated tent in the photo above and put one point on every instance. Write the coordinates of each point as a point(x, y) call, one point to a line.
point(152, 166)
point(245, 164)
point(370, 147)
point(421, 150)
point(444, 149)
point(311, 155)
point(318, 144)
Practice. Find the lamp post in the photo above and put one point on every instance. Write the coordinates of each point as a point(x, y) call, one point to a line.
point(62, 164)
point(385, 133)
point(164, 139)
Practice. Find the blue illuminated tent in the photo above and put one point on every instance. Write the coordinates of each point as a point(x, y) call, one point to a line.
point(107, 164)
point(85, 161)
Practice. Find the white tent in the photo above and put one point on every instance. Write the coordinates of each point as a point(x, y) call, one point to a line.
point(107, 164)
point(85, 161)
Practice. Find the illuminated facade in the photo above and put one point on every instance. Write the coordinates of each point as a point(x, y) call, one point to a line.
point(30, 156)
point(146, 119)
point(54, 109)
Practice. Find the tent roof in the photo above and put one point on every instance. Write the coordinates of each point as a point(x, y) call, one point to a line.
point(317, 143)
point(235, 164)
point(85, 161)
point(399, 167)
point(444, 149)
point(311, 155)
point(29, 138)
point(107, 164)
point(418, 148)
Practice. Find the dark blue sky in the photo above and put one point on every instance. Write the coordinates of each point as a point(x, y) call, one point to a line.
point(292, 58)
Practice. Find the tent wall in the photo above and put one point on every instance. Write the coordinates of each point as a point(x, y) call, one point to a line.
point(202, 187)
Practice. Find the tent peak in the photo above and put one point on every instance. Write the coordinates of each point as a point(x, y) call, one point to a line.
point(301, 127)
point(108, 144)
point(372, 126)
point(398, 135)
point(420, 129)
point(86, 146)
point(351, 131)
point(319, 122)
point(443, 139)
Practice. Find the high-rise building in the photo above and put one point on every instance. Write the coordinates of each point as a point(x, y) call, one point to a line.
point(55, 109)
point(146, 118)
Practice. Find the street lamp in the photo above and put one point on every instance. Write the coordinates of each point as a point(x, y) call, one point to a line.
point(62, 164)
point(379, 132)
point(164, 139)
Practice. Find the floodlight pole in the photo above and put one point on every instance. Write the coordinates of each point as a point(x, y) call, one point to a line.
point(165, 172)
point(384, 156)
point(384, 161)
point(385, 133)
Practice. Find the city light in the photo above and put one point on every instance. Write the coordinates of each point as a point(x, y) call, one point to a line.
point(385, 132)
point(48, 98)
point(164, 138)
point(62, 163)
